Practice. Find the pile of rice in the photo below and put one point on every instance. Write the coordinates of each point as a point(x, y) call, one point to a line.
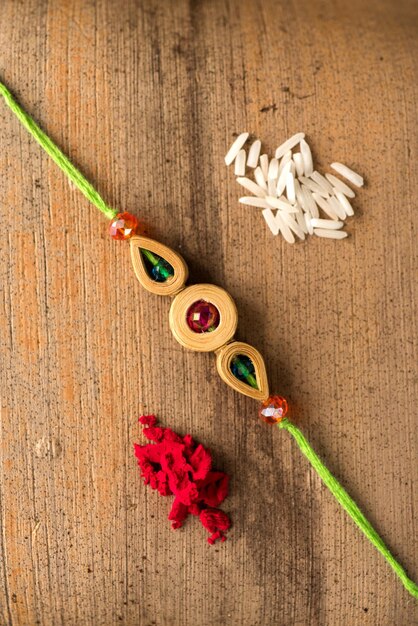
point(295, 199)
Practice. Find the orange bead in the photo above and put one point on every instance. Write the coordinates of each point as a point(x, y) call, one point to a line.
point(123, 226)
point(273, 410)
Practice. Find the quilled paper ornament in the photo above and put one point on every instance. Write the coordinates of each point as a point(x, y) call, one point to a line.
point(242, 367)
point(202, 318)
point(159, 269)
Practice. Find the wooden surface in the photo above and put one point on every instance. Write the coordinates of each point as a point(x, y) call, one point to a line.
point(146, 97)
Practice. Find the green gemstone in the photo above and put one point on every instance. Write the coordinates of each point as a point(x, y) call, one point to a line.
point(243, 368)
point(157, 268)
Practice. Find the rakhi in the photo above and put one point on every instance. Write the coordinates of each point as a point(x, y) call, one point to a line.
point(203, 318)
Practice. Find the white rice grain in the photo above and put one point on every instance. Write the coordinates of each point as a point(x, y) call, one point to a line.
point(293, 225)
point(259, 178)
point(289, 144)
point(271, 186)
point(280, 203)
point(264, 164)
point(286, 158)
point(271, 221)
point(328, 224)
point(348, 173)
point(325, 206)
point(322, 182)
point(254, 153)
point(313, 186)
point(251, 186)
point(310, 202)
point(345, 204)
point(307, 158)
point(298, 160)
point(337, 208)
point(330, 234)
point(308, 222)
point(300, 218)
point(236, 147)
point(284, 229)
point(273, 171)
point(290, 188)
point(252, 201)
point(281, 183)
point(340, 186)
point(300, 200)
point(239, 169)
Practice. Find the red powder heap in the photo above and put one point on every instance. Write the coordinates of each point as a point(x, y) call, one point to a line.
point(177, 466)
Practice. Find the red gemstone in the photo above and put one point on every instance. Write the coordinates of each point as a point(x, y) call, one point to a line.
point(203, 317)
point(123, 226)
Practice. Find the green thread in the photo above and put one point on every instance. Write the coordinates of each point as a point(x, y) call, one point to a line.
point(152, 258)
point(349, 505)
point(56, 155)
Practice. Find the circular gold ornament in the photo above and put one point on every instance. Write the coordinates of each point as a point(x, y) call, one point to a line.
point(203, 341)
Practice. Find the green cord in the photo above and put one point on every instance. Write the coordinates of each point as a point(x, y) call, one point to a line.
point(348, 504)
point(56, 155)
point(152, 258)
point(332, 483)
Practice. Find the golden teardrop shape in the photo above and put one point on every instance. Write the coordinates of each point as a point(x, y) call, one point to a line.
point(174, 283)
point(224, 357)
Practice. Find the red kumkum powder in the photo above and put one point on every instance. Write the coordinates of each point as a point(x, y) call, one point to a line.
point(177, 466)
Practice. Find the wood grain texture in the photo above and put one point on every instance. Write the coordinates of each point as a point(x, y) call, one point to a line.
point(145, 97)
